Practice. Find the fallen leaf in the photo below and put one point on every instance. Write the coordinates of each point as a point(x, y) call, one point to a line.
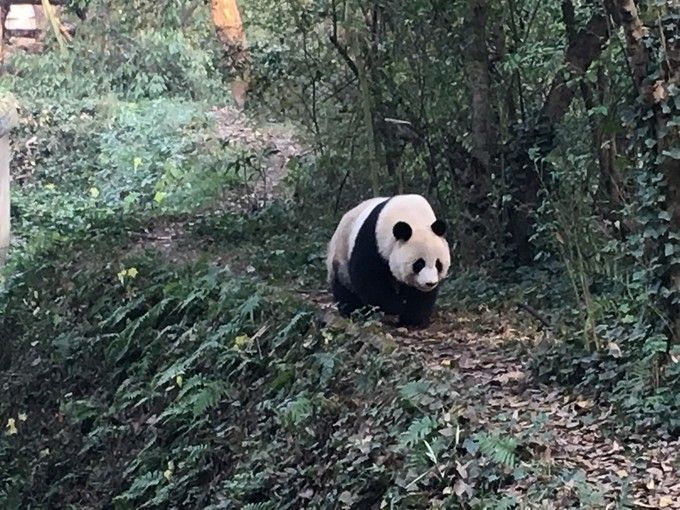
point(514, 375)
point(585, 404)
point(460, 488)
point(11, 427)
point(615, 350)
point(665, 501)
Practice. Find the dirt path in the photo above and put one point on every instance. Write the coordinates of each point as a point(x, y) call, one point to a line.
point(563, 435)
point(274, 143)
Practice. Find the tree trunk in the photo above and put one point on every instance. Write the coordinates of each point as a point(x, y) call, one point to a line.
point(525, 182)
point(655, 87)
point(227, 20)
point(478, 227)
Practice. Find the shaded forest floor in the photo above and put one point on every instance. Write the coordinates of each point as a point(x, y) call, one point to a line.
point(564, 436)
point(561, 432)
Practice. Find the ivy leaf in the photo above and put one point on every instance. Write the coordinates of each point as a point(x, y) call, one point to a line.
point(673, 153)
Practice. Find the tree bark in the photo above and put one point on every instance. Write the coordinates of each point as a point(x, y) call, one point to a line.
point(227, 20)
point(654, 86)
point(478, 232)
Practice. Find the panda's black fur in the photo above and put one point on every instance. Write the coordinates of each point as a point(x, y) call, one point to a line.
point(374, 284)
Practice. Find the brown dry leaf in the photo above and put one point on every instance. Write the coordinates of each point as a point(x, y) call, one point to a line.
point(655, 473)
point(614, 350)
point(467, 362)
point(665, 501)
point(460, 488)
point(585, 404)
point(659, 92)
point(514, 375)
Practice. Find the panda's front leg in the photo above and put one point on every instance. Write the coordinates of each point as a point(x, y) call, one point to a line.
point(417, 309)
point(413, 320)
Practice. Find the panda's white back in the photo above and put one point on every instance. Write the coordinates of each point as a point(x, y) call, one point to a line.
point(412, 209)
point(341, 244)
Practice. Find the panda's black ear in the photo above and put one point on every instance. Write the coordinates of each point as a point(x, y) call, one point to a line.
point(439, 228)
point(402, 231)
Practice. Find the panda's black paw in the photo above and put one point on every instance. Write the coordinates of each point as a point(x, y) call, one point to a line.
point(412, 324)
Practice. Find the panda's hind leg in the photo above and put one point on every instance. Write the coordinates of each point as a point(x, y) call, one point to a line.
point(346, 299)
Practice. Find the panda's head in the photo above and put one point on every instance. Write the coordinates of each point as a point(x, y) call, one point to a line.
point(420, 257)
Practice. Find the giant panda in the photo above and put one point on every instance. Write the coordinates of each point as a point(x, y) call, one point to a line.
point(389, 252)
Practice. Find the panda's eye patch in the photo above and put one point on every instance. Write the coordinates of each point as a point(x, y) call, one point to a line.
point(439, 266)
point(418, 265)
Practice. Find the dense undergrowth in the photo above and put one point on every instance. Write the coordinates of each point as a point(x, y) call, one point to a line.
point(200, 387)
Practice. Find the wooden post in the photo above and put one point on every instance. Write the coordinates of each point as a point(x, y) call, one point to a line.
point(8, 119)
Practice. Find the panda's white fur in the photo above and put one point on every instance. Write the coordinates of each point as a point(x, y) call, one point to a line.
point(423, 243)
point(342, 242)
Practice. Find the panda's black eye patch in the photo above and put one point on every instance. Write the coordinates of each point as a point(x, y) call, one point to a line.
point(418, 265)
point(439, 266)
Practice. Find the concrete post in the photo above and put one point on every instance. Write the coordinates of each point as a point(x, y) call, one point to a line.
point(8, 119)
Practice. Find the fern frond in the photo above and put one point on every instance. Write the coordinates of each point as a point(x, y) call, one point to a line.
point(499, 449)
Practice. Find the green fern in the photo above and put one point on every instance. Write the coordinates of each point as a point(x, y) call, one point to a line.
point(296, 411)
point(258, 506)
point(207, 397)
point(417, 431)
point(499, 449)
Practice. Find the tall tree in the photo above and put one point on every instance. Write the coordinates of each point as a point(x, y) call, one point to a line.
point(655, 72)
point(583, 48)
point(227, 20)
point(478, 227)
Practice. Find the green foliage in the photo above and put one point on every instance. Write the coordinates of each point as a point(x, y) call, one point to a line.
point(143, 52)
point(499, 449)
point(145, 388)
point(113, 167)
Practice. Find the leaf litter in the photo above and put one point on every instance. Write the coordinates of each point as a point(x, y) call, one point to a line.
point(490, 362)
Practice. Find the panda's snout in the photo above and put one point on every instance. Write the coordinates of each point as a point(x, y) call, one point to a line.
point(431, 284)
